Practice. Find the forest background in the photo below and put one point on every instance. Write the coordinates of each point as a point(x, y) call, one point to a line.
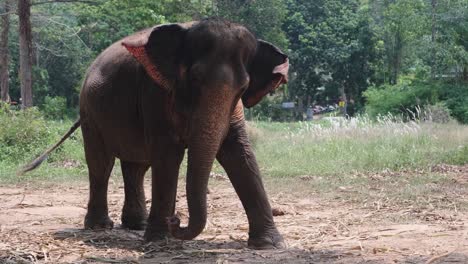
point(378, 57)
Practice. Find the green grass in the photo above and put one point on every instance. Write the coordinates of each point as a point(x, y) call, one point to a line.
point(359, 145)
point(24, 135)
point(330, 149)
point(363, 161)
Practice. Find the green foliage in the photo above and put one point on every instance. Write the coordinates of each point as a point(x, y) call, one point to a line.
point(401, 26)
point(455, 97)
point(269, 109)
point(336, 48)
point(263, 17)
point(410, 94)
point(103, 24)
point(459, 156)
point(22, 133)
point(451, 47)
point(401, 98)
point(54, 107)
point(332, 49)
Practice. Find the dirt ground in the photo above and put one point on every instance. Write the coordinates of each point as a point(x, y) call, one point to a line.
point(43, 223)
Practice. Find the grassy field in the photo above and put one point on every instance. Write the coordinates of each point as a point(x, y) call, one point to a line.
point(343, 147)
point(326, 149)
point(364, 161)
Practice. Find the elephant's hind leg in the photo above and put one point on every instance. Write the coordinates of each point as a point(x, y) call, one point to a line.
point(134, 214)
point(100, 163)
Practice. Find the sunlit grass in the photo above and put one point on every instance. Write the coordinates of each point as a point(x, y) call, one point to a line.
point(356, 145)
point(331, 149)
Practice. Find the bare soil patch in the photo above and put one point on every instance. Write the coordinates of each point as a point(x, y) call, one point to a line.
point(43, 223)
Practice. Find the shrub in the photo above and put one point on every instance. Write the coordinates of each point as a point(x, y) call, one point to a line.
point(54, 107)
point(438, 113)
point(400, 98)
point(404, 98)
point(22, 133)
point(456, 99)
point(459, 156)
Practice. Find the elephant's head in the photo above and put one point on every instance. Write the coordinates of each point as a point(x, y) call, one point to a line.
point(208, 65)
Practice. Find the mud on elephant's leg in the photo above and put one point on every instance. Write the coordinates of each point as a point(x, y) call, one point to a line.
point(134, 213)
point(165, 173)
point(237, 158)
point(100, 164)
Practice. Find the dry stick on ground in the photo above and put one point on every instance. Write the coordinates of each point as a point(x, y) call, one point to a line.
point(435, 258)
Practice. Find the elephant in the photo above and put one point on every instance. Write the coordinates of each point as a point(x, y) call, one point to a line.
point(152, 95)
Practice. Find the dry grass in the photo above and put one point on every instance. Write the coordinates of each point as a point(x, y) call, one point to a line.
point(42, 224)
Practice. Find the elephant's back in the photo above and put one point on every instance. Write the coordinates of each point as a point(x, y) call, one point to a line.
point(114, 65)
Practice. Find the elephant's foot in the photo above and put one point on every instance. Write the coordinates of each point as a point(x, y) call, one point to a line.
point(134, 220)
point(152, 234)
point(98, 222)
point(271, 239)
point(134, 223)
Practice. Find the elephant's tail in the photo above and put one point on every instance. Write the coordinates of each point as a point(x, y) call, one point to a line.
point(38, 161)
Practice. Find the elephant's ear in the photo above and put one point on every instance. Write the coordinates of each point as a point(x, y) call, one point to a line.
point(267, 71)
point(158, 50)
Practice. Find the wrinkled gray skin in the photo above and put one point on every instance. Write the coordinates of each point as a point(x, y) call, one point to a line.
point(150, 96)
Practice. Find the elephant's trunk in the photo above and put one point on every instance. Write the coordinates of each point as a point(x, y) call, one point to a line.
point(208, 130)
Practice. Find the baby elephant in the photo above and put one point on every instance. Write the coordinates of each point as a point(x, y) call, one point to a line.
point(151, 95)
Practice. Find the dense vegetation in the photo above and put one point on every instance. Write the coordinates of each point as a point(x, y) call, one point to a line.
point(377, 55)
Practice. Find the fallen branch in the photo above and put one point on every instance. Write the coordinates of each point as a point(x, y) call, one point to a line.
point(435, 258)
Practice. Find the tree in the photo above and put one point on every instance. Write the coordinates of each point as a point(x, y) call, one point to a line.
point(333, 46)
point(452, 39)
point(31, 77)
point(400, 26)
point(25, 42)
point(4, 52)
point(433, 37)
point(263, 17)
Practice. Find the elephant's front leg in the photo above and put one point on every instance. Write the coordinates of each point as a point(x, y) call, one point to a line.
point(165, 172)
point(237, 158)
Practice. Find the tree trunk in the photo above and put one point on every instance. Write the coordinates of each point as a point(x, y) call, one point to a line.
point(25, 39)
point(300, 109)
point(344, 99)
point(397, 55)
point(4, 57)
point(433, 39)
point(465, 73)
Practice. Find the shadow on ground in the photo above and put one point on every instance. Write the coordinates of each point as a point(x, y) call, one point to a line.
point(195, 251)
point(205, 251)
